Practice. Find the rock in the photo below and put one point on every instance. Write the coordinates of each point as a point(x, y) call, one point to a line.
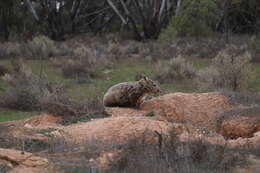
point(244, 122)
point(23, 161)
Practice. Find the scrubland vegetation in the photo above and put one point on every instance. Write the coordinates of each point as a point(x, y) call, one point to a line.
point(62, 61)
point(85, 72)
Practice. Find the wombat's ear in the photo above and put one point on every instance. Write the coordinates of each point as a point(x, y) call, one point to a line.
point(145, 77)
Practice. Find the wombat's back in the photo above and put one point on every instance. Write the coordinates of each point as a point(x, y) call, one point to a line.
point(117, 95)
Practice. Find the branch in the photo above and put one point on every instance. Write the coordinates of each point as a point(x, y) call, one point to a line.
point(28, 2)
point(161, 9)
point(178, 8)
point(116, 11)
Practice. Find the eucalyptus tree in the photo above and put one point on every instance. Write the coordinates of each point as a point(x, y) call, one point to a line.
point(7, 14)
point(146, 18)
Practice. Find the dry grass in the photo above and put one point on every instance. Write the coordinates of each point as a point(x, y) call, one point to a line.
point(176, 69)
point(4, 168)
point(82, 66)
point(139, 155)
point(41, 47)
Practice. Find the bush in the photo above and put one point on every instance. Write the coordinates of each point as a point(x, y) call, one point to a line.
point(4, 168)
point(40, 46)
point(3, 70)
point(167, 155)
point(81, 67)
point(176, 69)
point(9, 50)
point(29, 92)
point(230, 70)
point(195, 18)
point(190, 156)
point(25, 89)
point(81, 70)
point(72, 111)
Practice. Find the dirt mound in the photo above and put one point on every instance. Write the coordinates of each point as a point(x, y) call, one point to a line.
point(120, 129)
point(124, 112)
point(36, 120)
point(35, 127)
point(42, 119)
point(198, 109)
point(19, 162)
point(239, 123)
point(171, 115)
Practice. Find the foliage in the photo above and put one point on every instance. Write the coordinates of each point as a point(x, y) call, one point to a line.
point(175, 69)
point(81, 67)
point(3, 70)
point(4, 168)
point(231, 70)
point(26, 89)
point(72, 110)
point(40, 47)
point(195, 18)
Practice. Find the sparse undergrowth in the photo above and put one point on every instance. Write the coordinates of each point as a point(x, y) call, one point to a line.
point(176, 69)
point(94, 67)
point(230, 70)
point(138, 155)
point(4, 168)
point(30, 92)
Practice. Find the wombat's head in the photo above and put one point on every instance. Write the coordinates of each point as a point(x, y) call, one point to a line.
point(149, 86)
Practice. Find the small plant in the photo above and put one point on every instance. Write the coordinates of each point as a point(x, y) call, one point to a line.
point(4, 168)
point(41, 46)
point(9, 50)
point(3, 70)
point(26, 89)
point(176, 69)
point(230, 70)
point(71, 110)
point(81, 67)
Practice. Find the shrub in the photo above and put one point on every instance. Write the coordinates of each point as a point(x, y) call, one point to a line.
point(9, 50)
point(3, 70)
point(176, 69)
point(72, 110)
point(25, 89)
point(4, 168)
point(82, 66)
point(230, 70)
point(41, 46)
point(247, 98)
point(208, 79)
point(195, 18)
point(79, 69)
point(30, 92)
point(190, 156)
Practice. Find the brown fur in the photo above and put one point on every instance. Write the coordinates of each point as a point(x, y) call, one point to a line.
point(130, 94)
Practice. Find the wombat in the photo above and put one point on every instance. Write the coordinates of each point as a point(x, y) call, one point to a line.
point(130, 94)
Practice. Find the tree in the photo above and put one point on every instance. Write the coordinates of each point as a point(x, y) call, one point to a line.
point(7, 9)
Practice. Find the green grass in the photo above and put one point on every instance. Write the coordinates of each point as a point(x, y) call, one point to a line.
point(256, 83)
point(10, 115)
